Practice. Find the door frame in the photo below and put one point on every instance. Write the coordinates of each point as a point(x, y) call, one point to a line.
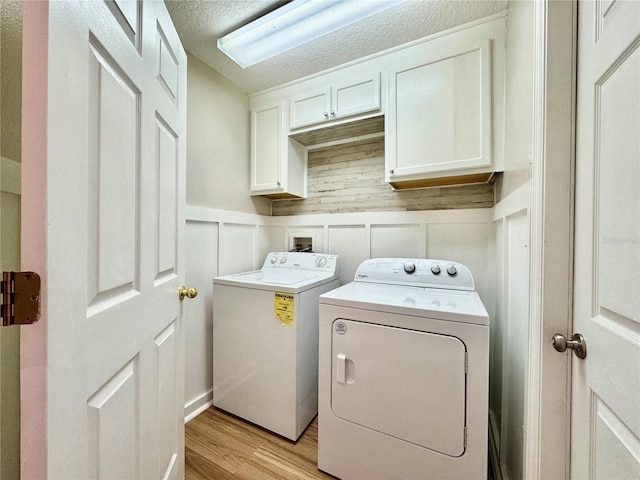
point(548, 396)
point(33, 370)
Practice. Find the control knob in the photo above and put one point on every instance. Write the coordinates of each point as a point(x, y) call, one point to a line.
point(452, 271)
point(283, 259)
point(321, 261)
point(274, 259)
point(409, 267)
point(435, 269)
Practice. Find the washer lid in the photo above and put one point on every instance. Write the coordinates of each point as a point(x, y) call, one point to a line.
point(290, 272)
point(453, 305)
point(289, 281)
point(276, 277)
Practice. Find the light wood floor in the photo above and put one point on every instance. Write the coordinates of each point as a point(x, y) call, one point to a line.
point(219, 446)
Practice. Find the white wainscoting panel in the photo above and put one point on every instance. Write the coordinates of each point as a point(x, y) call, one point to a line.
point(316, 232)
point(271, 239)
point(238, 244)
point(398, 241)
point(201, 266)
point(514, 369)
point(466, 243)
point(497, 335)
point(509, 333)
point(351, 242)
point(221, 242)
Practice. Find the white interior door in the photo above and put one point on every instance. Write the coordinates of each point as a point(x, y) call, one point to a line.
point(605, 438)
point(103, 372)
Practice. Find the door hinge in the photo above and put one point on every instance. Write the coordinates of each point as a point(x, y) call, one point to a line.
point(20, 298)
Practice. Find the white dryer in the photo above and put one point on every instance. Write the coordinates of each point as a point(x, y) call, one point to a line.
point(403, 373)
point(265, 340)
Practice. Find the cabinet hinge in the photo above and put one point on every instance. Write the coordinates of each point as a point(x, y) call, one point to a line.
point(20, 298)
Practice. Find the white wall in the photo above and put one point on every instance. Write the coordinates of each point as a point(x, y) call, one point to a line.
point(511, 233)
point(518, 96)
point(228, 231)
point(229, 242)
point(509, 332)
point(217, 178)
point(218, 143)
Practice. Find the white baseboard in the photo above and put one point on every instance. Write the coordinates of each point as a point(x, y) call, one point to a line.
point(198, 405)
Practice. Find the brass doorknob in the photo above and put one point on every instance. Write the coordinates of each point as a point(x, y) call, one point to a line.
point(187, 292)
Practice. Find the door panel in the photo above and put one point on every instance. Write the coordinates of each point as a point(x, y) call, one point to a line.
point(605, 416)
point(115, 164)
point(112, 420)
point(168, 65)
point(167, 171)
point(616, 447)
point(128, 14)
point(617, 176)
point(167, 350)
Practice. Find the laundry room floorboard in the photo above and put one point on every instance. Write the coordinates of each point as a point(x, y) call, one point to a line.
point(221, 446)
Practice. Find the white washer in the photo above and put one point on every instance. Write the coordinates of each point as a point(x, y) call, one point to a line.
point(265, 340)
point(403, 379)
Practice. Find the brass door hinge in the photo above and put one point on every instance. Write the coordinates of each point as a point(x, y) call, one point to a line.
point(20, 298)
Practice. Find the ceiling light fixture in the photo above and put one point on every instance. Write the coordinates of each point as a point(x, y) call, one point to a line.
point(294, 24)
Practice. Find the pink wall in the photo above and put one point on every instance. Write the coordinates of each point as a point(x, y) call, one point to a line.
point(33, 343)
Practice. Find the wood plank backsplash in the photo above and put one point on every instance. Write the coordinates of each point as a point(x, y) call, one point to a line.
point(350, 178)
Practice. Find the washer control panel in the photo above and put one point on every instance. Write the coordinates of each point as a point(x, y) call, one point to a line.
point(321, 262)
point(416, 272)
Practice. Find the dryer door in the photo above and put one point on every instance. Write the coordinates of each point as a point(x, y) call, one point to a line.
point(404, 383)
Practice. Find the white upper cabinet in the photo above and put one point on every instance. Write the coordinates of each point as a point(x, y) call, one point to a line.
point(310, 107)
point(444, 109)
point(278, 163)
point(441, 98)
point(339, 100)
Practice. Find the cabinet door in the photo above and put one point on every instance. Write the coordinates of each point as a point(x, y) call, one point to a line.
point(353, 97)
point(310, 107)
point(440, 114)
point(267, 153)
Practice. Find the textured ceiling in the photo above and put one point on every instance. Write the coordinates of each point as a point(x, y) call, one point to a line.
point(201, 22)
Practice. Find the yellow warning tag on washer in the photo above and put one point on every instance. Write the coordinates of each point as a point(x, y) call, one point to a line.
point(283, 308)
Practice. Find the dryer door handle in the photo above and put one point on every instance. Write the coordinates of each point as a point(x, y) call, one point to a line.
point(341, 369)
point(345, 370)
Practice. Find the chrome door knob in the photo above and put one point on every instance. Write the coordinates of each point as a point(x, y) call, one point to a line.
point(577, 344)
